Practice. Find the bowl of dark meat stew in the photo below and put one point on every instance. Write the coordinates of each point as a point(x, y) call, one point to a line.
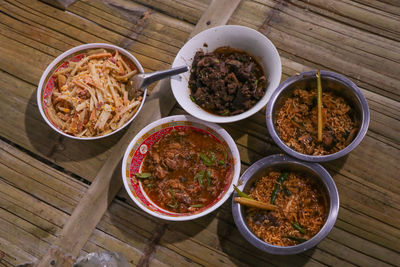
point(234, 71)
point(285, 206)
point(180, 168)
point(317, 127)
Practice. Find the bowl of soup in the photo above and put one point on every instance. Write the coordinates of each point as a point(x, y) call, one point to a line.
point(233, 72)
point(180, 168)
point(302, 205)
point(292, 116)
point(82, 93)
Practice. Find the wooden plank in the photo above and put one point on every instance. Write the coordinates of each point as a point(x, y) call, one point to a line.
point(354, 16)
point(14, 255)
point(59, 3)
point(213, 15)
point(124, 9)
point(190, 11)
point(155, 31)
point(347, 9)
point(72, 25)
point(372, 254)
point(24, 207)
point(363, 226)
point(390, 6)
point(33, 242)
point(17, 36)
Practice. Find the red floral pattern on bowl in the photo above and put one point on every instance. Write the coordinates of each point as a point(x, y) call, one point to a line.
point(141, 144)
point(47, 81)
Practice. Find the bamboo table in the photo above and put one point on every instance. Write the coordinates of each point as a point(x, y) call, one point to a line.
point(60, 198)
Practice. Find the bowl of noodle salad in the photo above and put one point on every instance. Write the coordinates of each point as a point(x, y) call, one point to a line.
point(82, 93)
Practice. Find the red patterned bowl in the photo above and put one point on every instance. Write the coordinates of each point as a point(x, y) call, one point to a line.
point(137, 151)
point(46, 83)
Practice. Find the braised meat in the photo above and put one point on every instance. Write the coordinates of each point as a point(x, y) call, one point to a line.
point(227, 81)
point(185, 170)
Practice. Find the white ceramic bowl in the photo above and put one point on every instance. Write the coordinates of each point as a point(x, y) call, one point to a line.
point(137, 151)
point(239, 37)
point(46, 83)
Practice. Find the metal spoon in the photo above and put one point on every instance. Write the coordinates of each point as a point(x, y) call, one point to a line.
point(139, 82)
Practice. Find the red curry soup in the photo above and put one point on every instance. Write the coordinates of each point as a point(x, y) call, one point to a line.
point(185, 171)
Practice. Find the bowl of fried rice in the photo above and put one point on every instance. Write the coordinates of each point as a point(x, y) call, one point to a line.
point(305, 201)
point(315, 125)
point(83, 94)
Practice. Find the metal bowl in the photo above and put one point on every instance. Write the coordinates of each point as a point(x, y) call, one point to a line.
point(334, 81)
point(284, 162)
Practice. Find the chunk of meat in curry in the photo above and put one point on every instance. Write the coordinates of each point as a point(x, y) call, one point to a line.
point(189, 170)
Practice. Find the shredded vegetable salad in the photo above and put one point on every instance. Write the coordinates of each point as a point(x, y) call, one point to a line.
point(90, 97)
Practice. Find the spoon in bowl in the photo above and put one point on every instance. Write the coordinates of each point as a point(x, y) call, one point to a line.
point(137, 83)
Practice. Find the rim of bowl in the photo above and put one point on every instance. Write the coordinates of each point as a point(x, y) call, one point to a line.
point(65, 56)
point(331, 190)
point(260, 104)
point(218, 129)
point(365, 116)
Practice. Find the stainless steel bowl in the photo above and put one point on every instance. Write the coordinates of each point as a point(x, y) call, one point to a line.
point(333, 81)
point(284, 162)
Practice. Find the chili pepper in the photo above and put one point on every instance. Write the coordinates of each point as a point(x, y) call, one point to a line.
point(205, 160)
point(274, 193)
point(213, 158)
point(298, 227)
point(175, 205)
point(286, 191)
point(208, 178)
point(240, 193)
point(283, 177)
point(143, 175)
point(199, 177)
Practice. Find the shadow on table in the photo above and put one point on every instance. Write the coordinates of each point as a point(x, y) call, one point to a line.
point(55, 146)
point(335, 165)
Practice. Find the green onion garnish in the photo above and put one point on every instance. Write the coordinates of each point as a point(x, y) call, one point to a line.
point(143, 175)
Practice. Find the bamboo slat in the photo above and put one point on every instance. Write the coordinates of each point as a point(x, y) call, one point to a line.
point(30, 217)
point(359, 39)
